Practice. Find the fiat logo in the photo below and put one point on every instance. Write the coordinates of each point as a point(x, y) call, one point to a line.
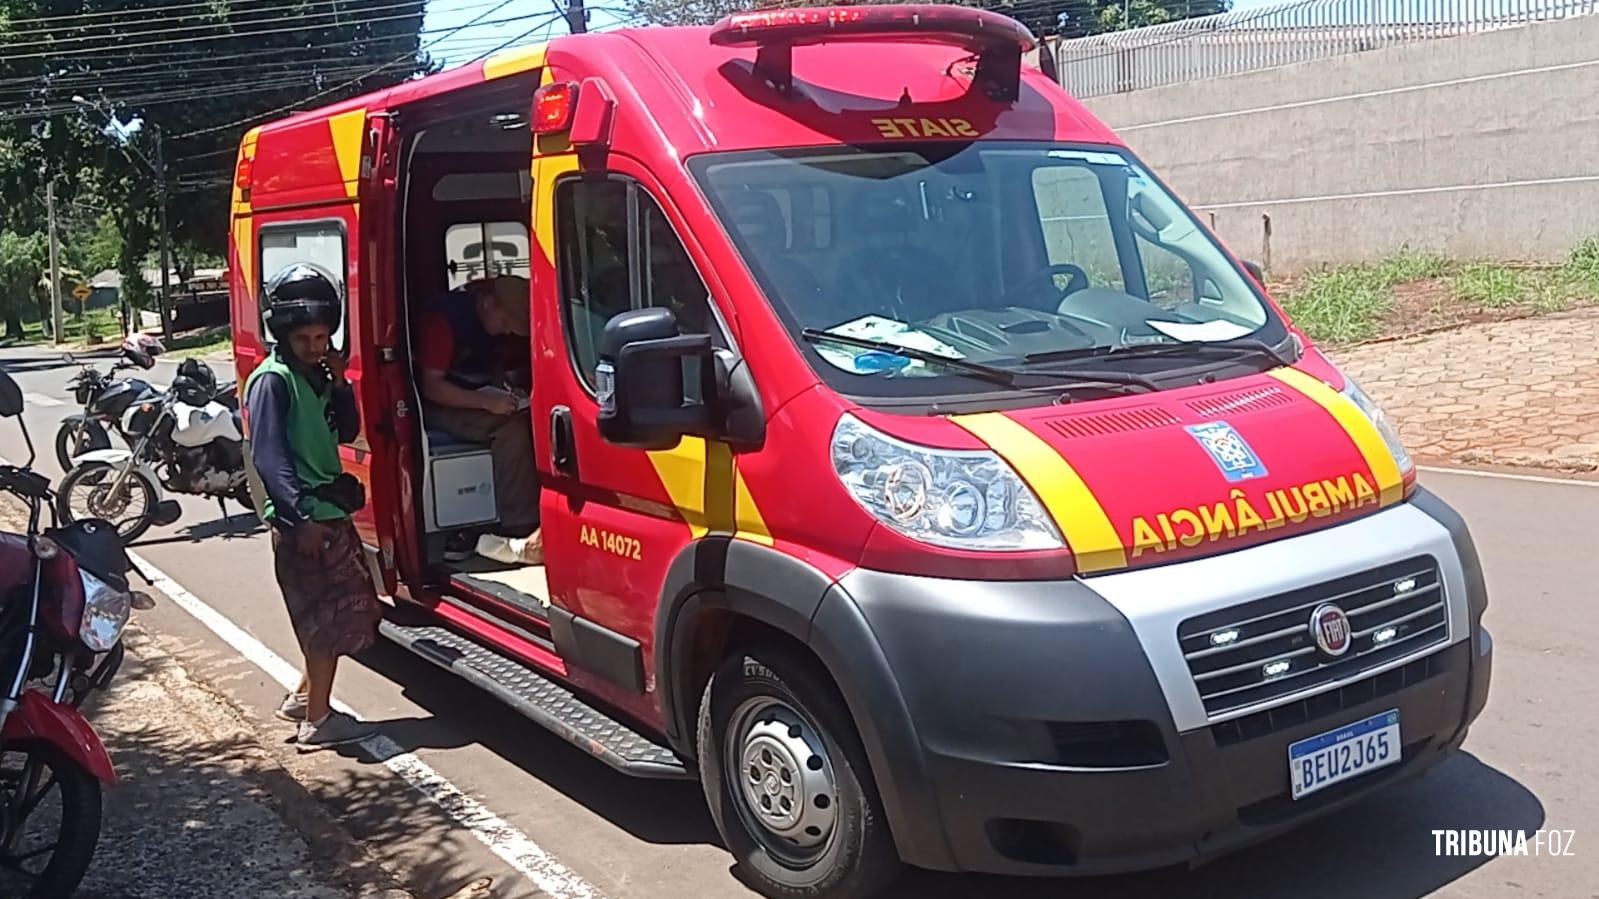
point(1330, 626)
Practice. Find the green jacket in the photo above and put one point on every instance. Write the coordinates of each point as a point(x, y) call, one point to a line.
point(295, 431)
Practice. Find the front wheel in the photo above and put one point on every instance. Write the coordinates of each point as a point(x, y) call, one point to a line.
point(88, 491)
point(49, 820)
point(78, 435)
point(787, 782)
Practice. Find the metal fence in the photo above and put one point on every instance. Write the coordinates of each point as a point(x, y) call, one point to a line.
point(1287, 33)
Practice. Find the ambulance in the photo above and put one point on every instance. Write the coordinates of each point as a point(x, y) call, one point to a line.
point(915, 470)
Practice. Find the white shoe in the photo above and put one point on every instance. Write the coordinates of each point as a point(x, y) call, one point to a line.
point(512, 550)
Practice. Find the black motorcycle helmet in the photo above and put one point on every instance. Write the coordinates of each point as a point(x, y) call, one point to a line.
point(299, 295)
point(195, 384)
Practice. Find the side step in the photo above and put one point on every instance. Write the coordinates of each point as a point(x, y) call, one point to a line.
point(541, 699)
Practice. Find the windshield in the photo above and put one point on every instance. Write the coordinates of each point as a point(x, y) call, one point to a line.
point(1011, 255)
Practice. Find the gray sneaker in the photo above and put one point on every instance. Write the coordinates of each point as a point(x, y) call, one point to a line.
point(293, 707)
point(337, 729)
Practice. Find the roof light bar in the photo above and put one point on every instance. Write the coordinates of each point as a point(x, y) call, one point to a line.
point(998, 41)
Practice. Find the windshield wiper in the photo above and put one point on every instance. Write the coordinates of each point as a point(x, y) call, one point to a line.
point(976, 369)
point(1244, 346)
point(1006, 376)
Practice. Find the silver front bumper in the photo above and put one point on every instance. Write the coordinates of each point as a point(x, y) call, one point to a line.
point(1157, 600)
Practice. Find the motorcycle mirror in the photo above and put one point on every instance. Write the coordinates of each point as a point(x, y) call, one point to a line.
point(166, 512)
point(142, 601)
point(69, 359)
point(10, 396)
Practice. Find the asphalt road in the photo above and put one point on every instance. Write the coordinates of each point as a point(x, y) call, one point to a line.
point(1522, 767)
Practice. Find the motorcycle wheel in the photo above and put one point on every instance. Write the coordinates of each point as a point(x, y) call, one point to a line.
point(49, 820)
point(76, 437)
point(86, 493)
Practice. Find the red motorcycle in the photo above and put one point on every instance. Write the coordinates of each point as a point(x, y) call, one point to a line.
point(64, 600)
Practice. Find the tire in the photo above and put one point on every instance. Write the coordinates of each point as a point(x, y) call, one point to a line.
point(763, 709)
point(76, 837)
point(70, 443)
point(85, 477)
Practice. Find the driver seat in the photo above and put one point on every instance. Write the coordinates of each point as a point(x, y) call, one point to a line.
point(757, 218)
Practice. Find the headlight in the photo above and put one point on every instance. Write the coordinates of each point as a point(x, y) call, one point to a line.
point(957, 498)
point(1374, 412)
point(105, 613)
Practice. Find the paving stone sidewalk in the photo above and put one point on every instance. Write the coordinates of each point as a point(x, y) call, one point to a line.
point(1520, 393)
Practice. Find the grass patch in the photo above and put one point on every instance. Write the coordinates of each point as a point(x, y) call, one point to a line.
point(1415, 291)
point(1489, 285)
point(200, 343)
point(1346, 304)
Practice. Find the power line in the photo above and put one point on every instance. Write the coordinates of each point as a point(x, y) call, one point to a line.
point(217, 77)
point(205, 7)
point(323, 93)
point(167, 60)
point(246, 35)
point(306, 20)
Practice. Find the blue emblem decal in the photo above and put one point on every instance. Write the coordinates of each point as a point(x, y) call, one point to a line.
point(1227, 447)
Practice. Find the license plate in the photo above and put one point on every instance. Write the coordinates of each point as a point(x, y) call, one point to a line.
point(1318, 762)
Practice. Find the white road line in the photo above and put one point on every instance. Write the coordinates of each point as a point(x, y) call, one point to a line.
point(1534, 478)
point(39, 399)
point(503, 839)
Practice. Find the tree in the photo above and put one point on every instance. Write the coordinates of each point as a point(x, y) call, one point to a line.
point(196, 74)
point(23, 258)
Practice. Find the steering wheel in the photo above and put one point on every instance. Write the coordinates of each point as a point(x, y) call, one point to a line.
point(1077, 280)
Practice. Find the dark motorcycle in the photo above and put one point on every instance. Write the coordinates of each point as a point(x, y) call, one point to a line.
point(104, 398)
point(64, 601)
point(186, 440)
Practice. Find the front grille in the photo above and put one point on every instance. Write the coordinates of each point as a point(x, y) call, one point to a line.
point(1257, 652)
point(1329, 702)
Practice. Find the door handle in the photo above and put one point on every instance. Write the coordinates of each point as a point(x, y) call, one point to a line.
point(563, 441)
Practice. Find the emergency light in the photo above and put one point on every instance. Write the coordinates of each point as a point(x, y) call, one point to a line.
point(552, 107)
point(584, 110)
point(997, 40)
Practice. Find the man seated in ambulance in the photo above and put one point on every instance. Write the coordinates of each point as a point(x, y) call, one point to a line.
point(476, 370)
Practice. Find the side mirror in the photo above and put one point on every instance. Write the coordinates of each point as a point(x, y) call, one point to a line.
point(640, 379)
point(1254, 269)
point(10, 396)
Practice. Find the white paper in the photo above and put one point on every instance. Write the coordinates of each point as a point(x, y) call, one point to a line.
point(1200, 332)
point(523, 401)
point(885, 330)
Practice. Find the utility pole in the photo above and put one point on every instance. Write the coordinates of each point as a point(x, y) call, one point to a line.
point(577, 18)
point(55, 260)
point(159, 169)
point(166, 261)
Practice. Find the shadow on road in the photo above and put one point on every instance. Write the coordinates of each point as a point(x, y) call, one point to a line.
point(1381, 848)
point(1385, 844)
point(656, 811)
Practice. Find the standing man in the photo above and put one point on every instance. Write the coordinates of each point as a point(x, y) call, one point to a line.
point(476, 371)
point(301, 408)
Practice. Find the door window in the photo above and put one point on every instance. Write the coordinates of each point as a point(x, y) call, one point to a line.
point(319, 243)
point(617, 252)
point(476, 250)
point(1077, 229)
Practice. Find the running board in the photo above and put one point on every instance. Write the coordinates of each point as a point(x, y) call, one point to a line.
point(538, 697)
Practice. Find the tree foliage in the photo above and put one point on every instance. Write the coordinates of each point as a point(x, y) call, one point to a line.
point(192, 75)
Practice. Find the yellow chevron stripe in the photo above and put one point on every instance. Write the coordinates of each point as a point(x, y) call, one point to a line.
point(1077, 512)
point(513, 62)
point(347, 128)
point(709, 492)
point(1390, 483)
